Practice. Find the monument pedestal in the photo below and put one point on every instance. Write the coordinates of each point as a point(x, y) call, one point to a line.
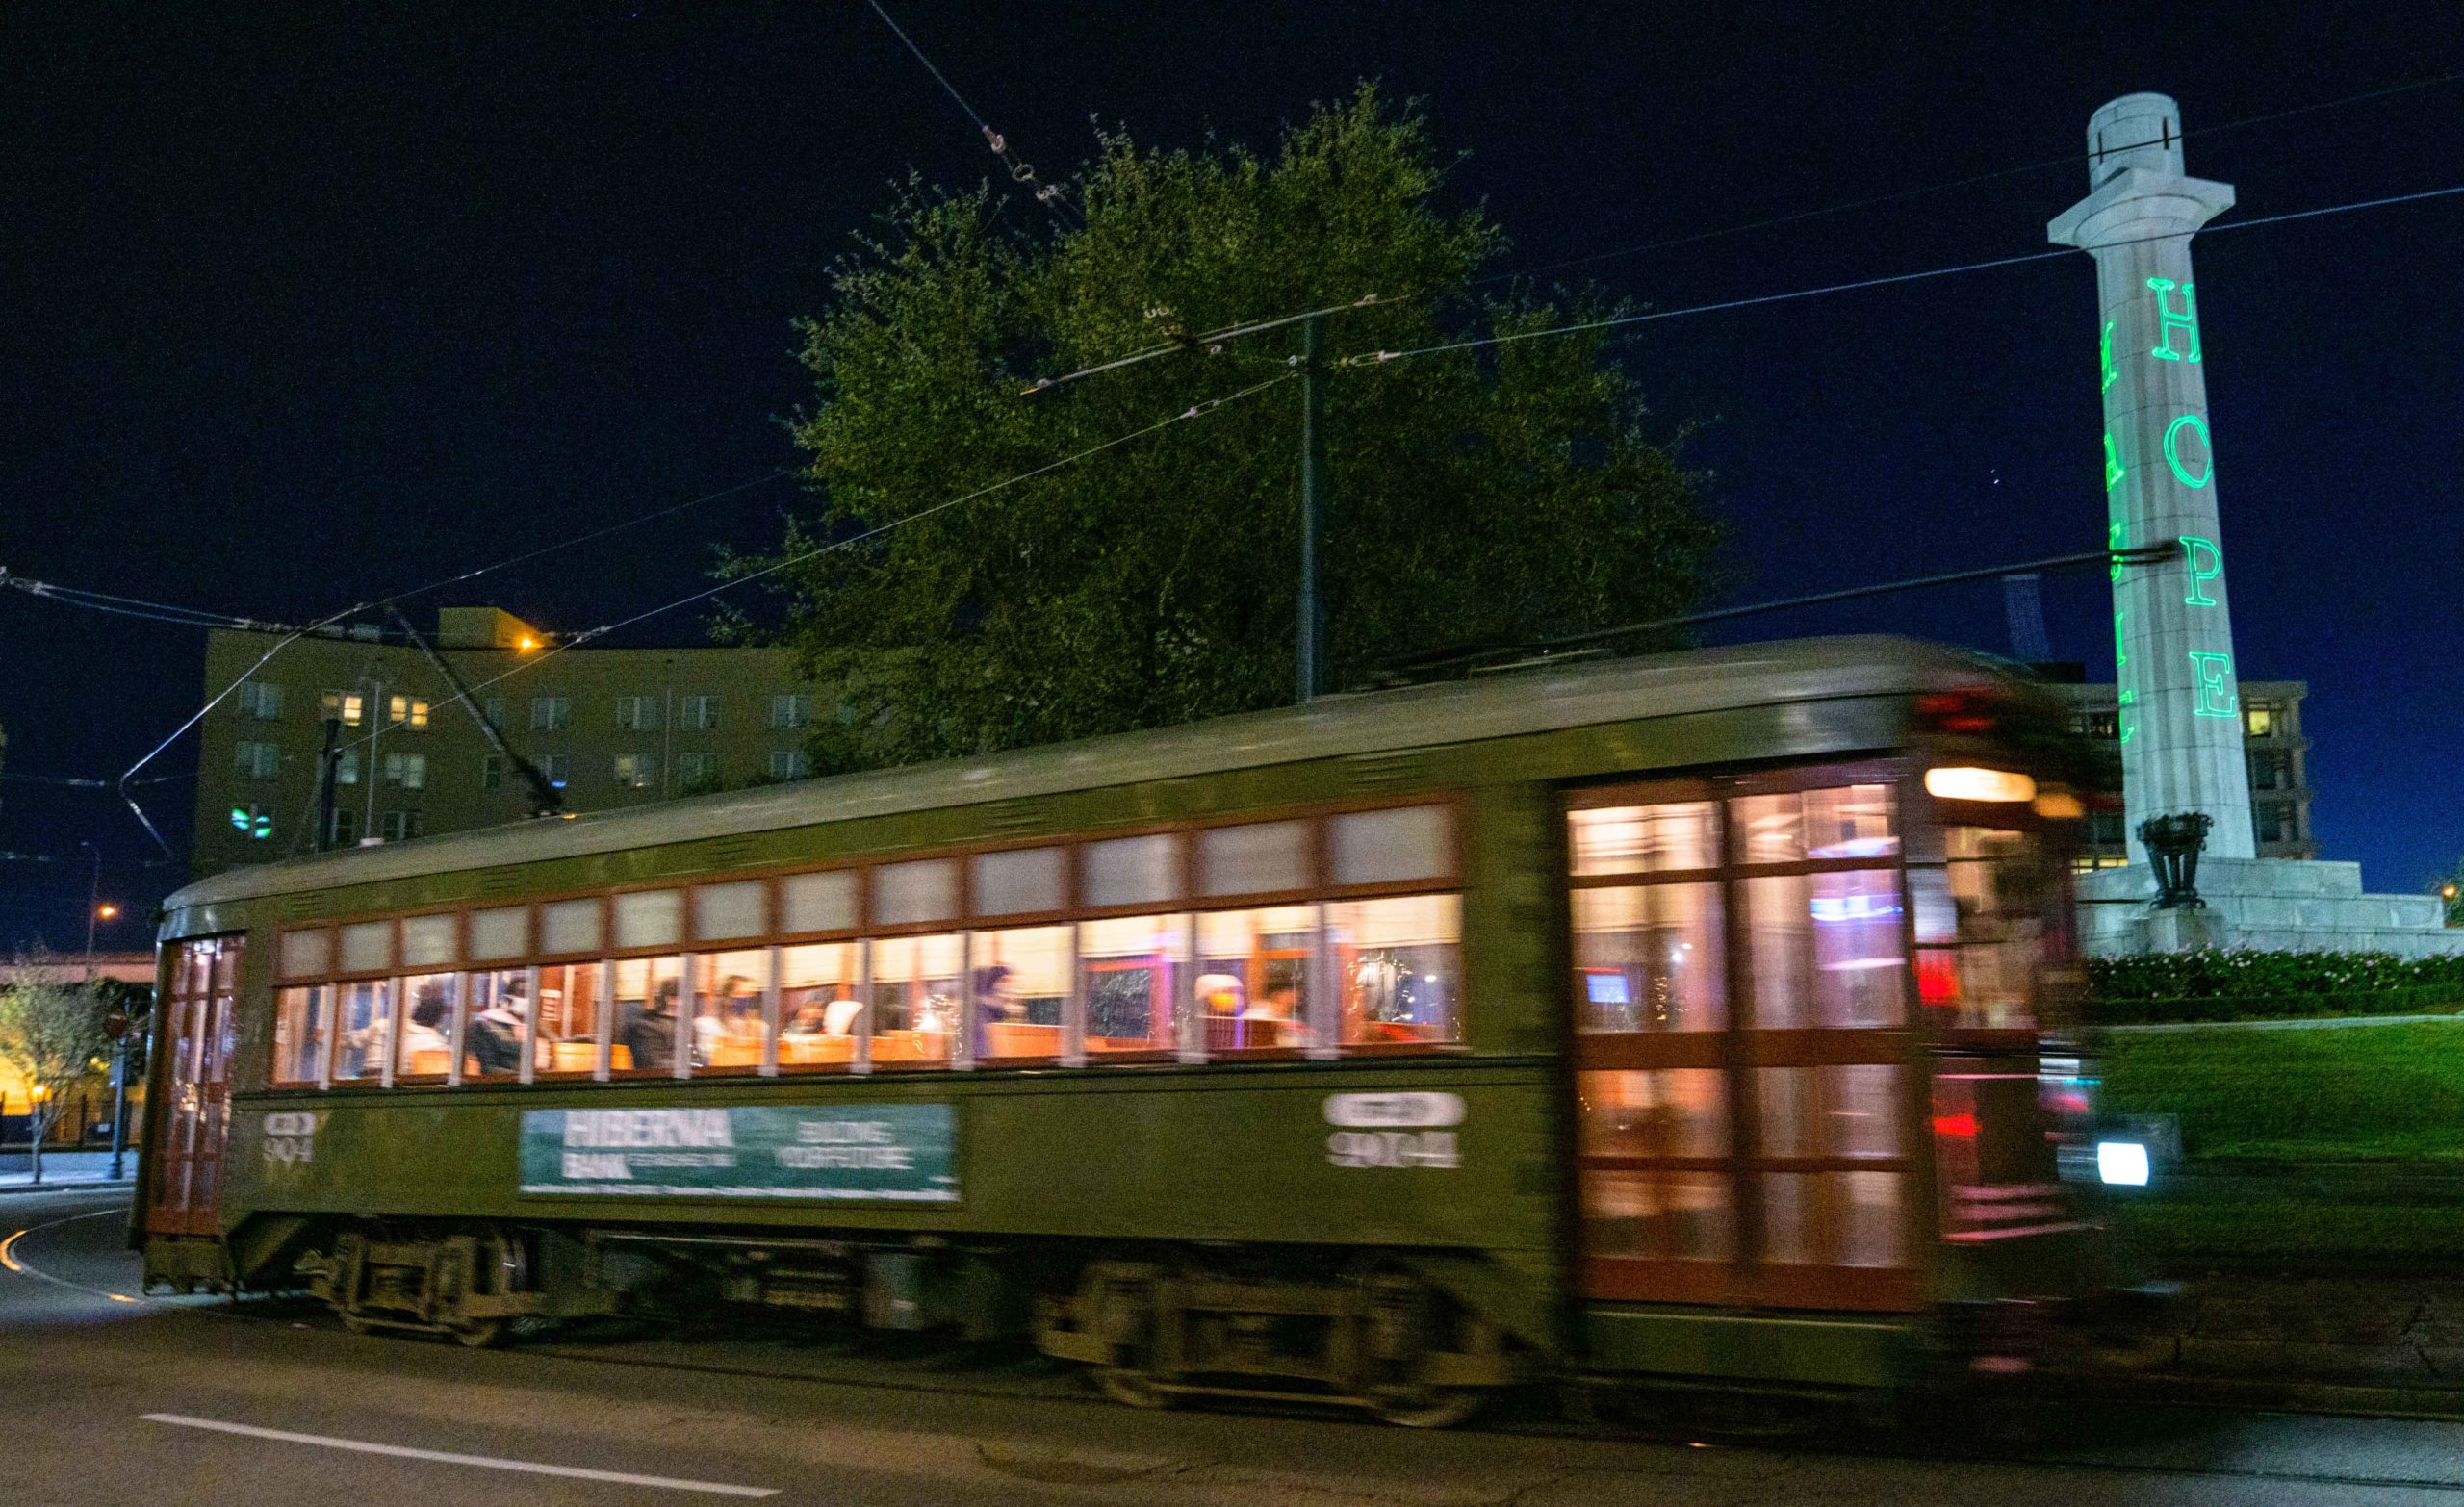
point(2268, 904)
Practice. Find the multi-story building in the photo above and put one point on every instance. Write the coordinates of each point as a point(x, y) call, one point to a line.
point(2271, 739)
point(608, 727)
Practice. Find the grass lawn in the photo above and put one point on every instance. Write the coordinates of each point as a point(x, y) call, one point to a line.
point(2342, 1093)
point(2364, 1123)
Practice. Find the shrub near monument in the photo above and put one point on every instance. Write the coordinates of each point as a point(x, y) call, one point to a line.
point(2234, 983)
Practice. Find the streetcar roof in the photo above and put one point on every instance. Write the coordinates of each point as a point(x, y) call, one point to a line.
point(1506, 705)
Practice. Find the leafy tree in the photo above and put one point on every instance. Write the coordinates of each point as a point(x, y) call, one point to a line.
point(1496, 496)
point(2450, 889)
point(52, 1033)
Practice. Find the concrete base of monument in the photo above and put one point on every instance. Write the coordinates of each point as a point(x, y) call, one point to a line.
point(2271, 905)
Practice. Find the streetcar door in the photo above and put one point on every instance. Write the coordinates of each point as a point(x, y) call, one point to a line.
point(189, 1117)
point(1742, 1043)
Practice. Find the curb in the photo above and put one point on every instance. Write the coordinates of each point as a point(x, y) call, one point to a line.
point(2332, 1398)
point(82, 1185)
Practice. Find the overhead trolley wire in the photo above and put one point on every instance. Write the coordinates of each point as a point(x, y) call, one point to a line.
point(1379, 357)
point(1050, 195)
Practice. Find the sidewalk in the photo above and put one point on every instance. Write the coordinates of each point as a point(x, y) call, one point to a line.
point(66, 1169)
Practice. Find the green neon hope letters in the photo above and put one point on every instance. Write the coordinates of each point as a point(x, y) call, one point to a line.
point(2215, 672)
point(2206, 563)
point(2205, 461)
point(2123, 721)
point(2114, 472)
point(2167, 321)
point(2105, 358)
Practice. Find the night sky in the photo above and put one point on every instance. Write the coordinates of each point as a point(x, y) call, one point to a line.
point(295, 311)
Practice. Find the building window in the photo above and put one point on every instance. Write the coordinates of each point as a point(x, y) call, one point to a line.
point(344, 832)
point(2259, 717)
point(698, 713)
point(550, 713)
point(407, 711)
point(343, 707)
point(260, 700)
point(259, 760)
point(402, 825)
point(495, 712)
point(2099, 724)
point(2269, 771)
point(492, 772)
point(636, 771)
point(2274, 822)
point(637, 713)
point(789, 764)
point(2104, 828)
point(552, 768)
point(790, 711)
point(697, 772)
point(406, 771)
point(253, 820)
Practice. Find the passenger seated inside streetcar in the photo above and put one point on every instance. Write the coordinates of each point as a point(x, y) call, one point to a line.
point(646, 1027)
point(492, 1040)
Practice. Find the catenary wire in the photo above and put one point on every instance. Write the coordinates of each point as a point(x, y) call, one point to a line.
point(1875, 201)
point(1047, 195)
point(578, 640)
point(1379, 357)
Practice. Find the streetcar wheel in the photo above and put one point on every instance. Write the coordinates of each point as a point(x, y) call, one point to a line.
point(1428, 1407)
point(1132, 1389)
point(355, 1323)
point(480, 1334)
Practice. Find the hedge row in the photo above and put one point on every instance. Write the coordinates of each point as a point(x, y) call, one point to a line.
point(2237, 984)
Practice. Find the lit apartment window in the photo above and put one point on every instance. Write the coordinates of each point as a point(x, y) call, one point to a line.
point(636, 771)
point(343, 707)
point(347, 767)
point(492, 772)
point(494, 711)
point(697, 772)
point(345, 827)
point(402, 825)
point(789, 764)
point(406, 771)
point(2260, 718)
point(260, 760)
point(637, 713)
point(790, 711)
point(407, 711)
point(260, 700)
point(552, 768)
point(698, 713)
point(550, 713)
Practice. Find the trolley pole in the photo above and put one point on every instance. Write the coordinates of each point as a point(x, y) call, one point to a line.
point(1311, 628)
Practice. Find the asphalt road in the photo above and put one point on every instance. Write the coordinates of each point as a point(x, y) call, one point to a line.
point(114, 1397)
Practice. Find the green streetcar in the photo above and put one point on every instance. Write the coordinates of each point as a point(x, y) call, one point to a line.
point(1695, 1018)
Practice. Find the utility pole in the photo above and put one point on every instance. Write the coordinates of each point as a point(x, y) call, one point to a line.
point(94, 905)
point(1311, 629)
point(324, 837)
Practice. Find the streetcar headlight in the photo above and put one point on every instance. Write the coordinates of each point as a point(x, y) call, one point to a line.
point(2121, 1164)
point(1966, 783)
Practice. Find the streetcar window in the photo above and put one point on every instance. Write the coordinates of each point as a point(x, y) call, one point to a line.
point(364, 1028)
point(819, 1013)
point(423, 1045)
point(1825, 949)
point(1837, 1109)
point(1658, 1215)
point(498, 1022)
point(305, 955)
point(1679, 1112)
point(497, 934)
point(1391, 846)
point(1133, 871)
point(368, 947)
point(1257, 858)
point(1644, 839)
point(650, 1017)
point(1850, 822)
point(427, 941)
point(824, 902)
point(649, 918)
point(1399, 969)
point(731, 1022)
point(723, 912)
point(569, 926)
point(571, 1001)
point(917, 992)
point(300, 1033)
point(1835, 1218)
point(1132, 967)
point(1021, 882)
point(1998, 882)
point(926, 890)
point(1252, 983)
point(1648, 957)
point(1019, 988)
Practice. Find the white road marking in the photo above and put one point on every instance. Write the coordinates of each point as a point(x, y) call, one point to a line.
point(446, 1457)
point(9, 1257)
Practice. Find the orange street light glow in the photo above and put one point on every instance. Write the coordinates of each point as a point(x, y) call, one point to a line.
point(106, 912)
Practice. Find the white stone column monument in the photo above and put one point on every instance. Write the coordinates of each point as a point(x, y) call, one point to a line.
point(2181, 709)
